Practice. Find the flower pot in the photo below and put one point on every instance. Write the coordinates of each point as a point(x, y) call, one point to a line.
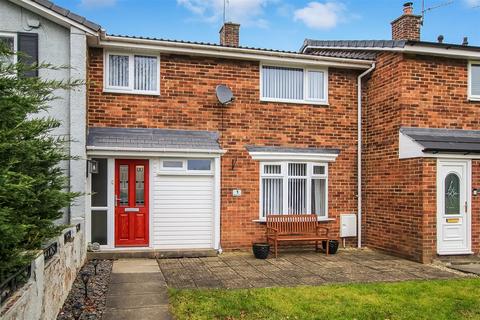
point(260, 250)
point(332, 248)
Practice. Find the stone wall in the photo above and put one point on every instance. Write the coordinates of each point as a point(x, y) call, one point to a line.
point(43, 295)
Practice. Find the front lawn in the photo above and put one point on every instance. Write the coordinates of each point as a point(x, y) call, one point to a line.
point(441, 299)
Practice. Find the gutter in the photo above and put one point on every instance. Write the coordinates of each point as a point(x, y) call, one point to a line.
point(359, 154)
point(125, 43)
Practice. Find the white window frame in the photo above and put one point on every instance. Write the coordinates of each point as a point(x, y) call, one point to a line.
point(305, 99)
point(184, 169)
point(131, 81)
point(285, 176)
point(471, 96)
point(15, 43)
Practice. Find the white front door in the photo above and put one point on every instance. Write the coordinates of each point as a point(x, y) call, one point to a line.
point(453, 207)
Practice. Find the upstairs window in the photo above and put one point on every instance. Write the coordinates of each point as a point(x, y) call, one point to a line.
point(295, 85)
point(132, 73)
point(474, 81)
point(9, 40)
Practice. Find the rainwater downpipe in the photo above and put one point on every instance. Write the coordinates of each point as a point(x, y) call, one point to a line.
point(359, 154)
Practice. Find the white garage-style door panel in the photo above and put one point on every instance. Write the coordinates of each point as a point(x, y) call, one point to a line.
point(183, 208)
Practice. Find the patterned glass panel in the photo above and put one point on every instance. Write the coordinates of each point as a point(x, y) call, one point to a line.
point(140, 185)
point(272, 196)
point(124, 185)
point(118, 71)
point(452, 194)
point(318, 197)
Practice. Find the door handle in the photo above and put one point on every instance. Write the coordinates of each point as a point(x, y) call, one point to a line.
point(466, 206)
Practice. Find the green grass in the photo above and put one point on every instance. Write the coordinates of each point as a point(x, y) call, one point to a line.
point(438, 300)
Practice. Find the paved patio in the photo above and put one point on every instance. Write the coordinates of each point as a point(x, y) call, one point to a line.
point(242, 270)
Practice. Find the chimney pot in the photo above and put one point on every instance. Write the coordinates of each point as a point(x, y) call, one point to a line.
point(408, 8)
point(465, 41)
point(230, 34)
point(407, 26)
point(440, 39)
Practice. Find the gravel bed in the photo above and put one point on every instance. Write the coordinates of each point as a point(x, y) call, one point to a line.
point(94, 305)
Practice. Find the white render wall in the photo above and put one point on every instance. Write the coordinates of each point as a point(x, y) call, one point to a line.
point(43, 295)
point(60, 46)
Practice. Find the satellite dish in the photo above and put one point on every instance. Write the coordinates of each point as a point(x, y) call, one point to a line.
point(224, 94)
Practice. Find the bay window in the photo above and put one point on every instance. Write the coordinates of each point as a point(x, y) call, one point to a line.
point(132, 73)
point(293, 188)
point(293, 84)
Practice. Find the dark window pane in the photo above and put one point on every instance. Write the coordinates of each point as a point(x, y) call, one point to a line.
point(99, 184)
point(99, 226)
point(198, 164)
point(452, 194)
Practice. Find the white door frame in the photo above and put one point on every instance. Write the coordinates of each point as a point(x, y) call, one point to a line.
point(468, 198)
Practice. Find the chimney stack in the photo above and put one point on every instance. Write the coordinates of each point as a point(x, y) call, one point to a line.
point(407, 26)
point(230, 34)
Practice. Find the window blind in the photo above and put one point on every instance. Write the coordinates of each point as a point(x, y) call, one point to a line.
point(475, 80)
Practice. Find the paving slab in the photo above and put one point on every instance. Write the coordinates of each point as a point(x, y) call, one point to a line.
point(137, 291)
point(242, 270)
point(469, 268)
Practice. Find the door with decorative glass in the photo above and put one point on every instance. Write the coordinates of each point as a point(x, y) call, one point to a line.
point(453, 207)
point(131, 203)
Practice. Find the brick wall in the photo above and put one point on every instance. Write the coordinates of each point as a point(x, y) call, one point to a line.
point(188, 101)
point(406, 27)
point(400, 195)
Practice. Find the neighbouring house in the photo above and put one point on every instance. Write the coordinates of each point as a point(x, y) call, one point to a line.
point(44, 32)
point(172, 168)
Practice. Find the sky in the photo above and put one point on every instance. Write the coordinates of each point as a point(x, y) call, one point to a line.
point(278, 24)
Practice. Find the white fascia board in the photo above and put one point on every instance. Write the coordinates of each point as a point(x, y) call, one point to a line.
point(417, 49)
point(129, 44)
point(287, 156)
point(408, 148)
point(52, 15)
point(152, 152)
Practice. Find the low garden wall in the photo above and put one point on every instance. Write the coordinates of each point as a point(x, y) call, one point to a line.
point(52, 274)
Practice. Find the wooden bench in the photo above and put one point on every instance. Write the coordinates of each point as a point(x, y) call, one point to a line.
point(295, 227)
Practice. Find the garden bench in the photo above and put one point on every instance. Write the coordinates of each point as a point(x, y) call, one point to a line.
point(295, 227)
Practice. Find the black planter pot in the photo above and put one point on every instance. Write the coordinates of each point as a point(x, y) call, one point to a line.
point(260, 250)
point(332, 248)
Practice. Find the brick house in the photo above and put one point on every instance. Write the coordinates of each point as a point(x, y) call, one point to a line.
point(172, 168)
point(206, 174)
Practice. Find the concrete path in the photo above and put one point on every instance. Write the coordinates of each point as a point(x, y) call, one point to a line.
point(137, 291)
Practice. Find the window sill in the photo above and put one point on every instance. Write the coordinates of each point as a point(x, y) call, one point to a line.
point(132, 92)
point(474, 99)
point(264, 221)
point(307, 102)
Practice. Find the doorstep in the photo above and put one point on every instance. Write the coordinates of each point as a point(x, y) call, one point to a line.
point(150, 254)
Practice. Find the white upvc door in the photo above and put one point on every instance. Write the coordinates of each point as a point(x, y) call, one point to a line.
point(453, 207)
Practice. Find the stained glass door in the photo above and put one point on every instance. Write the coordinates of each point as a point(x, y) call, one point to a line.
point(453, 202)
point(131, 203)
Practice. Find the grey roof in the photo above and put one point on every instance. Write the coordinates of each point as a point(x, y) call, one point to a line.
point(378, 44)
point(445, 140)
point(347, 54)
point(152, 138)
point(274, 149)
point(68, 14)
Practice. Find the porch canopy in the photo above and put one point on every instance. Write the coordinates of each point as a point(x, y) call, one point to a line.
point(415, 142)
point(101, 140)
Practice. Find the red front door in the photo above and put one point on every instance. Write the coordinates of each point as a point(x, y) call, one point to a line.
point(131, 203)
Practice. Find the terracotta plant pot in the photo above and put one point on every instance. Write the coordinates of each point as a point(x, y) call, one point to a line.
point(261, 250)
point(332, 248)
